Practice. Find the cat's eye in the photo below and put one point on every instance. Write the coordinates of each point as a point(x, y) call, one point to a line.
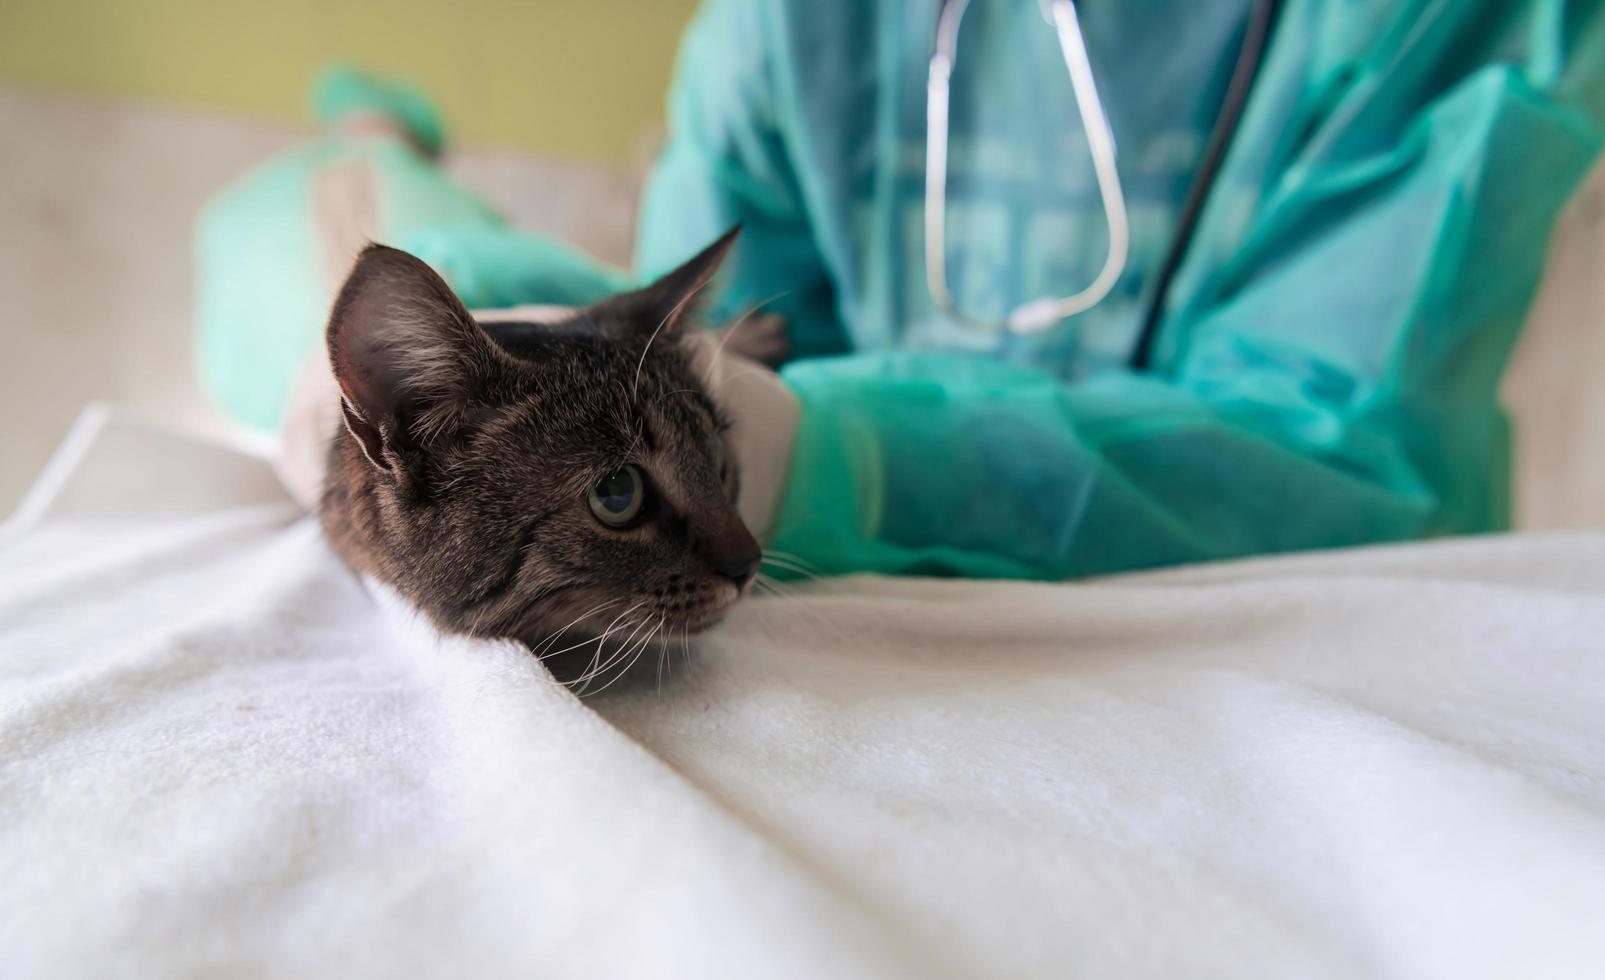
point(617, 498)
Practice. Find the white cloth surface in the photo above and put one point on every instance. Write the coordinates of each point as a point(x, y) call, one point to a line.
point(220, 757)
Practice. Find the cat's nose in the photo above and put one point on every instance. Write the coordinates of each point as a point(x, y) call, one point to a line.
point(739, 571)
point(731, 551)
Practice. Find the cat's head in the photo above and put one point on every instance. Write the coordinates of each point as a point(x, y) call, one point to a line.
point(515, 479)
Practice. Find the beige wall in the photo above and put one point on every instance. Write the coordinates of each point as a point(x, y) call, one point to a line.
point(580, 79)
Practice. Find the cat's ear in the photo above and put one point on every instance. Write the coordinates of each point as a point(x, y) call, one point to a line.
point(409, 359)
point(660, 309)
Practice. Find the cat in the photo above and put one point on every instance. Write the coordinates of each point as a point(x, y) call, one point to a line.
point(560, 484)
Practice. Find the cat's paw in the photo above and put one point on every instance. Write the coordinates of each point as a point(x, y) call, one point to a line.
point(761, 337)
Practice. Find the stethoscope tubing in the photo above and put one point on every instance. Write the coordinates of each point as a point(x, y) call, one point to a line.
point(1041, 314)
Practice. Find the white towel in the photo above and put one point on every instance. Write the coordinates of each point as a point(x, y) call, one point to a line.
point(220, 757)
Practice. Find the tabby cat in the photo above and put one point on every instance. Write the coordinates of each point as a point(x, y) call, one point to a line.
point(562, 484)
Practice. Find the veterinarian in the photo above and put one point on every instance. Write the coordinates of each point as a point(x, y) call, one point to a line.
point(1280, 326)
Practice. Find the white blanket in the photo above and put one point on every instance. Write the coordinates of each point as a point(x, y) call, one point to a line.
point(220, 757)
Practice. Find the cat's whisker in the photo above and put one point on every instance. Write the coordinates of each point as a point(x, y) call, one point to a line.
point(730, 331)
point(661, 649)
point(588, 641)
point(775, 580)
point(678, 391)
point(666, 654)
point(672, 315)
point(771, 587)
point(631, 665)
point(543, 650)
point(601, 641)
point(626, 668)
point(487, 613)
point(630, 420)
point(780, 564)
point(791, 565)
point(511, 622)
point(585, 680)
point(646, 640)
point(665, 657)
point(625, 646)
point(602, 666)
point(579, 684)
point(709, 374)
point(726, 334)
point(794, 559)
point(550, 640)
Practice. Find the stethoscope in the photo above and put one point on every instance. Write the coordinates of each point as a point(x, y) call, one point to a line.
point(1037, 315)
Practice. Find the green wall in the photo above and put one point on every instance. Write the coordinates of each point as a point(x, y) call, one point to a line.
point(571, 78)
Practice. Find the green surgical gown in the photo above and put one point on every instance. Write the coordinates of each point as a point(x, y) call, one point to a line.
point(1328, 356)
